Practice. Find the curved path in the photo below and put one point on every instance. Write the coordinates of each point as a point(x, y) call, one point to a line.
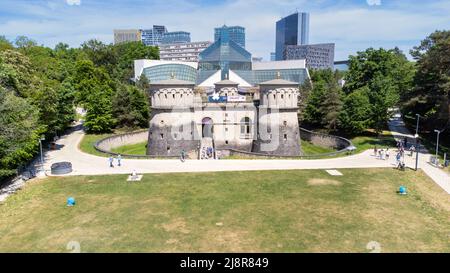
point(86, 164)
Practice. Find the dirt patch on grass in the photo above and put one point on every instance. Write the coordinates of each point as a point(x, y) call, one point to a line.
point(177, 225)
point(227, 240)
point(323, 182)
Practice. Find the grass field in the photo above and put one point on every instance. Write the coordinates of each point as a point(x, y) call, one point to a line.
point(132, 149)
point(267, 211)
point(310, 149)
point(87, 144)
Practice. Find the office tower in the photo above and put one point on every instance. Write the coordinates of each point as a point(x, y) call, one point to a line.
point(235, 33)
point(126, 35)
point(176, 37)
point(318, 56)
point(187, 52)
point(291, 30)
point(153, 36)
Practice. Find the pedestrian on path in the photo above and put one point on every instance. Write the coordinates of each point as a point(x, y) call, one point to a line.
point(375, 150)
point(387, 153)
point(111, 162)
point(119, 160)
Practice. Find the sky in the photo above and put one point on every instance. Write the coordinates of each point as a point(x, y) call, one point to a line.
point(353, 25)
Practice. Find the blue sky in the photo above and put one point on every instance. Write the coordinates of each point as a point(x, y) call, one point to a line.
point(352, 24)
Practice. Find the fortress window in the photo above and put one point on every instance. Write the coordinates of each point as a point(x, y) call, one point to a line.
point(285, 123)
point(162, 121)
point(226, 142)
point(162, 136)
point(165, 95)
point(175, 136)
point(282, 96)
point(285, 136)
point(173, 95)
point(168, 149)
point(226, 129)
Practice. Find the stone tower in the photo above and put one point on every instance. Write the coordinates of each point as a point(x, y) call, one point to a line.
point(172, 127)
point(278, 132)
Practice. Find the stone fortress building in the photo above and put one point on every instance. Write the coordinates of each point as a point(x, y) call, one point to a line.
point(226, 118)
point(224, 102)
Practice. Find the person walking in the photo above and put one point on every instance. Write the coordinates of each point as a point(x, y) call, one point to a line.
point(412, 150)
point(387, 153)
point(375, 150)
point(183, 155)
point(119, 160)
point(111, 162)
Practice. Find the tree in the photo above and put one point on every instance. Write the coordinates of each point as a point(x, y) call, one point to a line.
point(131, 108)
point(5, 44)
point(431, 94)
point(331, 107)
point(99, 116)
point(386, 75)
point(356, 112)
point(19, 132)
point(17, 73)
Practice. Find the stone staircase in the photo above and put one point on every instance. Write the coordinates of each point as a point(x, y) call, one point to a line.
point(206, 144)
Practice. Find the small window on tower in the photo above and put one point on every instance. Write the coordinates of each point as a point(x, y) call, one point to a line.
point(285, 136)
point(226, 142)
point(162, 136)
point(285, 123)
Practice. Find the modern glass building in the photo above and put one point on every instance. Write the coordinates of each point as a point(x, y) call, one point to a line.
point(163, 72)
point(236, 34)
point(153, 36)
point(176, 37)
point(291, 30)
point(225, 55)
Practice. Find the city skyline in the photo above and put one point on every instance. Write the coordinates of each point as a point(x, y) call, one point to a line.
point(352, 25)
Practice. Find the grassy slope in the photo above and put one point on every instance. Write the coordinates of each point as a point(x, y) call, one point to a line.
point(87, 144)
point(268, 211)
point(132, 149)
point(310, 149)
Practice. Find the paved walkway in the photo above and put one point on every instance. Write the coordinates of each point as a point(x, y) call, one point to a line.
point(399, 131)
point(86, 164)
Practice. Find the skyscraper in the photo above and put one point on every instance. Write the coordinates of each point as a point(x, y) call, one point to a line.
point(153, 36)
point(291, 30)
point(176, 37)
point(224, 54)
point(126, 35)
point(235, 33)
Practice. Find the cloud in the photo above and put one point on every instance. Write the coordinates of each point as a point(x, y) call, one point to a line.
point(73, 2)
point(352, 27)
point(374, 2)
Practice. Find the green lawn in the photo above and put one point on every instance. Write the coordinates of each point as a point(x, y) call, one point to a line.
point(310, 149)
point(87, 143)
point(260, 211)
point(369, 139)
point(132, 149)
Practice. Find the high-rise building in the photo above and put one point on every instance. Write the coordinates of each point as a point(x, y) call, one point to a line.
point(272, 56)
point(235, 33)
point(176, 37)
point(126, 35)
point(291, 30)
point(318, 56)
point(187, 52)
point(153, 36)
point(224, 55)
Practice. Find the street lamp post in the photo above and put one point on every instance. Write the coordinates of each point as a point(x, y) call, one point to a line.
point(417, 152)
point(42, 138)
point(437, 147)
point(417, 127)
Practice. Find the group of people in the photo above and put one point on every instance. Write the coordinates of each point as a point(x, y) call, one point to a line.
point(402, 146)
point(382, 154)
point(111, 161)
